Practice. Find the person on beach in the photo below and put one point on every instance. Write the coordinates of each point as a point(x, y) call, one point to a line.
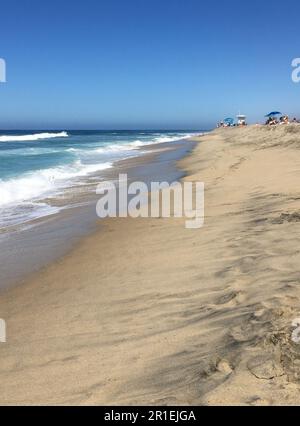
point(284, 119)
point(271, 121)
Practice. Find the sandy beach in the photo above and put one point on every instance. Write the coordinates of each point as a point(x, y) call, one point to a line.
point(146, 312)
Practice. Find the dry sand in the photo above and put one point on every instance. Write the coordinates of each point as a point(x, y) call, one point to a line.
point(147, 312)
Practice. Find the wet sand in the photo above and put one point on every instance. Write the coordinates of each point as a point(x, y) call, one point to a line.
point(145, 311)
point(43, 241)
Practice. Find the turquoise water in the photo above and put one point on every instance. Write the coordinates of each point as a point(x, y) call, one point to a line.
point(36, 165)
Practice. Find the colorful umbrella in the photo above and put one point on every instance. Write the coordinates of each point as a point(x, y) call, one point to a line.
point(273, 114)
point(229, 121)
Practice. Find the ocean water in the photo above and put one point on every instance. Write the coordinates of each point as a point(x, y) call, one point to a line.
point(37, 166)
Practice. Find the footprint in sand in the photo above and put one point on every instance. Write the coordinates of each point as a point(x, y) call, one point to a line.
point(258, 401)
point(265, 367)
point(233, 298)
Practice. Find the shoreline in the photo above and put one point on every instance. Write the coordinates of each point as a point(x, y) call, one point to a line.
point(146, 312)
point(52, 237)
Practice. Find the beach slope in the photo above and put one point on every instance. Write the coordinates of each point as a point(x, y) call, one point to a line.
point(145, 311)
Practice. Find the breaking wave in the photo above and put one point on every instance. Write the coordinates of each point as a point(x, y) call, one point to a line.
point(33, 137)
point(30, 186)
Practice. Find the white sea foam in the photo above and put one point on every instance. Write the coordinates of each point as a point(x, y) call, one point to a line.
point(24, 213)
point(20, 197)
point(29, 152)
point(163, 139)
point(33, 137)
point(140, 143)
point(40, 183)
point(114, 148)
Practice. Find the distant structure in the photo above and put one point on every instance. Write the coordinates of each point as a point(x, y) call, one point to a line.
point(241, 120)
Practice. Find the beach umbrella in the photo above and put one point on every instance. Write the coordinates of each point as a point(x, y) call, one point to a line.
point(273, 114)
point(229, 121)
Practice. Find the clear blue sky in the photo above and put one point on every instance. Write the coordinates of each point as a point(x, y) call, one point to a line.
point(146, 63)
